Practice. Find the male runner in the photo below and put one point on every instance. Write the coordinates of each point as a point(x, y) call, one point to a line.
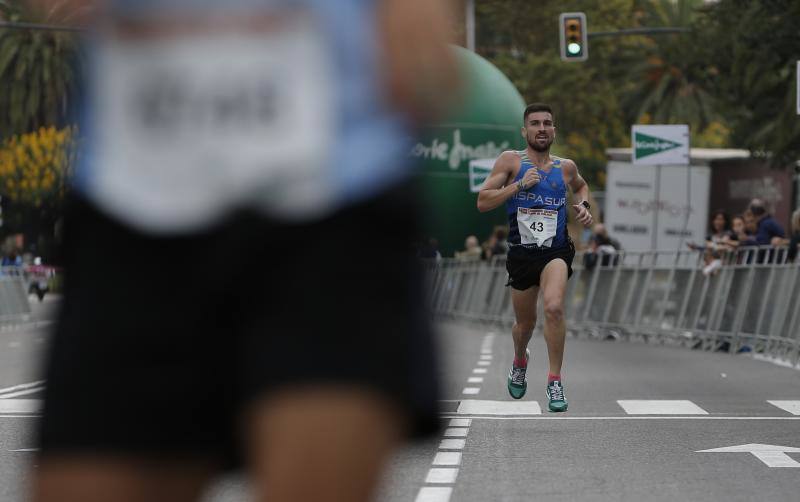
point(533, 184)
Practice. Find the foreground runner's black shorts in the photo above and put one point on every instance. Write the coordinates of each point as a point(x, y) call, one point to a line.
point(161, 342)
point(525, 265)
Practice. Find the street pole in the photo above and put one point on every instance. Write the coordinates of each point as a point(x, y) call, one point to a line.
point(470, 16)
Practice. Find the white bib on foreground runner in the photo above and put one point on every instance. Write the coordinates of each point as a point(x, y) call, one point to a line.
point(537, 226)
point(188, 126)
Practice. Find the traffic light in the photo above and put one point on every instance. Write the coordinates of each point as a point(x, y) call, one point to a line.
point(572, 28)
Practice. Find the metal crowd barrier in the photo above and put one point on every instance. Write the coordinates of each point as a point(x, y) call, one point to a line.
point(751, 302)
point(14, 304)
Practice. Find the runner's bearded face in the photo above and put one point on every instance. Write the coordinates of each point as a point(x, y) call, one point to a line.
point(539, 131)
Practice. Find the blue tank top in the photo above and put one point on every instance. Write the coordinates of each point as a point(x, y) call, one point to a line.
point(543, 208)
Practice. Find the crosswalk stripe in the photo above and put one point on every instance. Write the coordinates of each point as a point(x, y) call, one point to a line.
point(442, 475)
point(20, 405)
point(792, 407)
point(660, 407)
point(434, 494)
point(480, 407)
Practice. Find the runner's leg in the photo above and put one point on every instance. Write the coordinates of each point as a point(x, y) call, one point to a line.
point(320, 445)
point(100, 478)
point(524, 303)
point(554, 285)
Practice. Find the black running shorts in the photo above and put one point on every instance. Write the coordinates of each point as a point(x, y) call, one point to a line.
point(161, 342)
point(525, 265)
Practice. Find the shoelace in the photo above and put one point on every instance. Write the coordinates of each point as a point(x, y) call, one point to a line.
point(518, 375)
point(556, 391)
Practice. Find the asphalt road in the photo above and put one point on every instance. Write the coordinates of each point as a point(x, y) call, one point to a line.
point(639, 416)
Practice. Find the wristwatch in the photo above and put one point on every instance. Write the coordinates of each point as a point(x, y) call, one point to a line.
point(586, 205)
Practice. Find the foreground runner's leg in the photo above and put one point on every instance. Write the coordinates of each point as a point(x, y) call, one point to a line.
point(554, 285)
point(100, 477)
point(296, 456)
point(524, 303)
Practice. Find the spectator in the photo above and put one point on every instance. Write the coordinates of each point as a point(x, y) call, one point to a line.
point(602, 248)
point(794, 239)
point(738, 230)
point(721, 239)
point(472, 250)
point(768, 232)
point(430, 250)
point(766, 228)
point(496, 244)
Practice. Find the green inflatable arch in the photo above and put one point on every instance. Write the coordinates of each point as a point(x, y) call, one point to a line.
point(486, 122)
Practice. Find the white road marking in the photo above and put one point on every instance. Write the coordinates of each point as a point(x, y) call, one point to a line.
point(475, 407)
point(452, 444)
point(792, 407)
point(434, 494)
point(21, 386)
point(26, 449)
point(456, 432)
point(475, 380)
point(771, 455)
point(442, 475)
point(460, 422)
point(660, 407)
point(22, 393)
point(486, 416)
point(20, 405)
point(486, 357)
point(486, 351)
point(480, 371)
point(471, 390)
point(447, 458)
point(484, 363)
point(14, 345)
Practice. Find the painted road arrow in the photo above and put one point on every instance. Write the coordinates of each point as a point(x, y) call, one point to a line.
point(772, 455)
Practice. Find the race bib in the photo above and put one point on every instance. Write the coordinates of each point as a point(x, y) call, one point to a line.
point(537, 226)
point(190, 124)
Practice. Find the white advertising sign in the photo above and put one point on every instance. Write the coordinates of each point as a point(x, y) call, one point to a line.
point(660, 144)
point(648, 207)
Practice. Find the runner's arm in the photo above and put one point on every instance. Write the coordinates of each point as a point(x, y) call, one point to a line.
point(581, 190)
point(495, 191)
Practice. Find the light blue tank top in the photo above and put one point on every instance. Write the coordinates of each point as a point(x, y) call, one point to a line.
point(368, 142)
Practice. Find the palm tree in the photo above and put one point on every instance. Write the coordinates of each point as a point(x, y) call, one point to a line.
point(671, 77)
point(39, 69)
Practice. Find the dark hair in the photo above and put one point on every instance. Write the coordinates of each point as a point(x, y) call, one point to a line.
point(725, 216)
point(757, 207)
point(536, 107)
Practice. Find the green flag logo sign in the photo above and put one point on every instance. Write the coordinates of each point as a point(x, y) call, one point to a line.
point(650, 145)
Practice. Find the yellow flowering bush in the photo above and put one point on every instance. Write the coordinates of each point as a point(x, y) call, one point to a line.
point(34, 167)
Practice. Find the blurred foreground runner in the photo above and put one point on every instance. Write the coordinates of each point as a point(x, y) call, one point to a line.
point(237, 284)
point(533, 184)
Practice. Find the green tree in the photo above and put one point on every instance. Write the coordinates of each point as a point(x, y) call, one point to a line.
point(39, 70)
point(671, 81)
point(753, 49)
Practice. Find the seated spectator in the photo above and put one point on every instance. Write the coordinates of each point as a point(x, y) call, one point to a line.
point(472, 250)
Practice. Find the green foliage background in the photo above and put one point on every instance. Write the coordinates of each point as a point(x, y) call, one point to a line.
point(731, 78)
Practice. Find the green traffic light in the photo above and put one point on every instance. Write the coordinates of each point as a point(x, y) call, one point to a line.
point(574, 48)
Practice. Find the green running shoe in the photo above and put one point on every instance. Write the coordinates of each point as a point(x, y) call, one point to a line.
point(517, 381)
point(555, 396)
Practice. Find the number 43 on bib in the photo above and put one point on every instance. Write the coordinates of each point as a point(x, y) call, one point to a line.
point(537, 226)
